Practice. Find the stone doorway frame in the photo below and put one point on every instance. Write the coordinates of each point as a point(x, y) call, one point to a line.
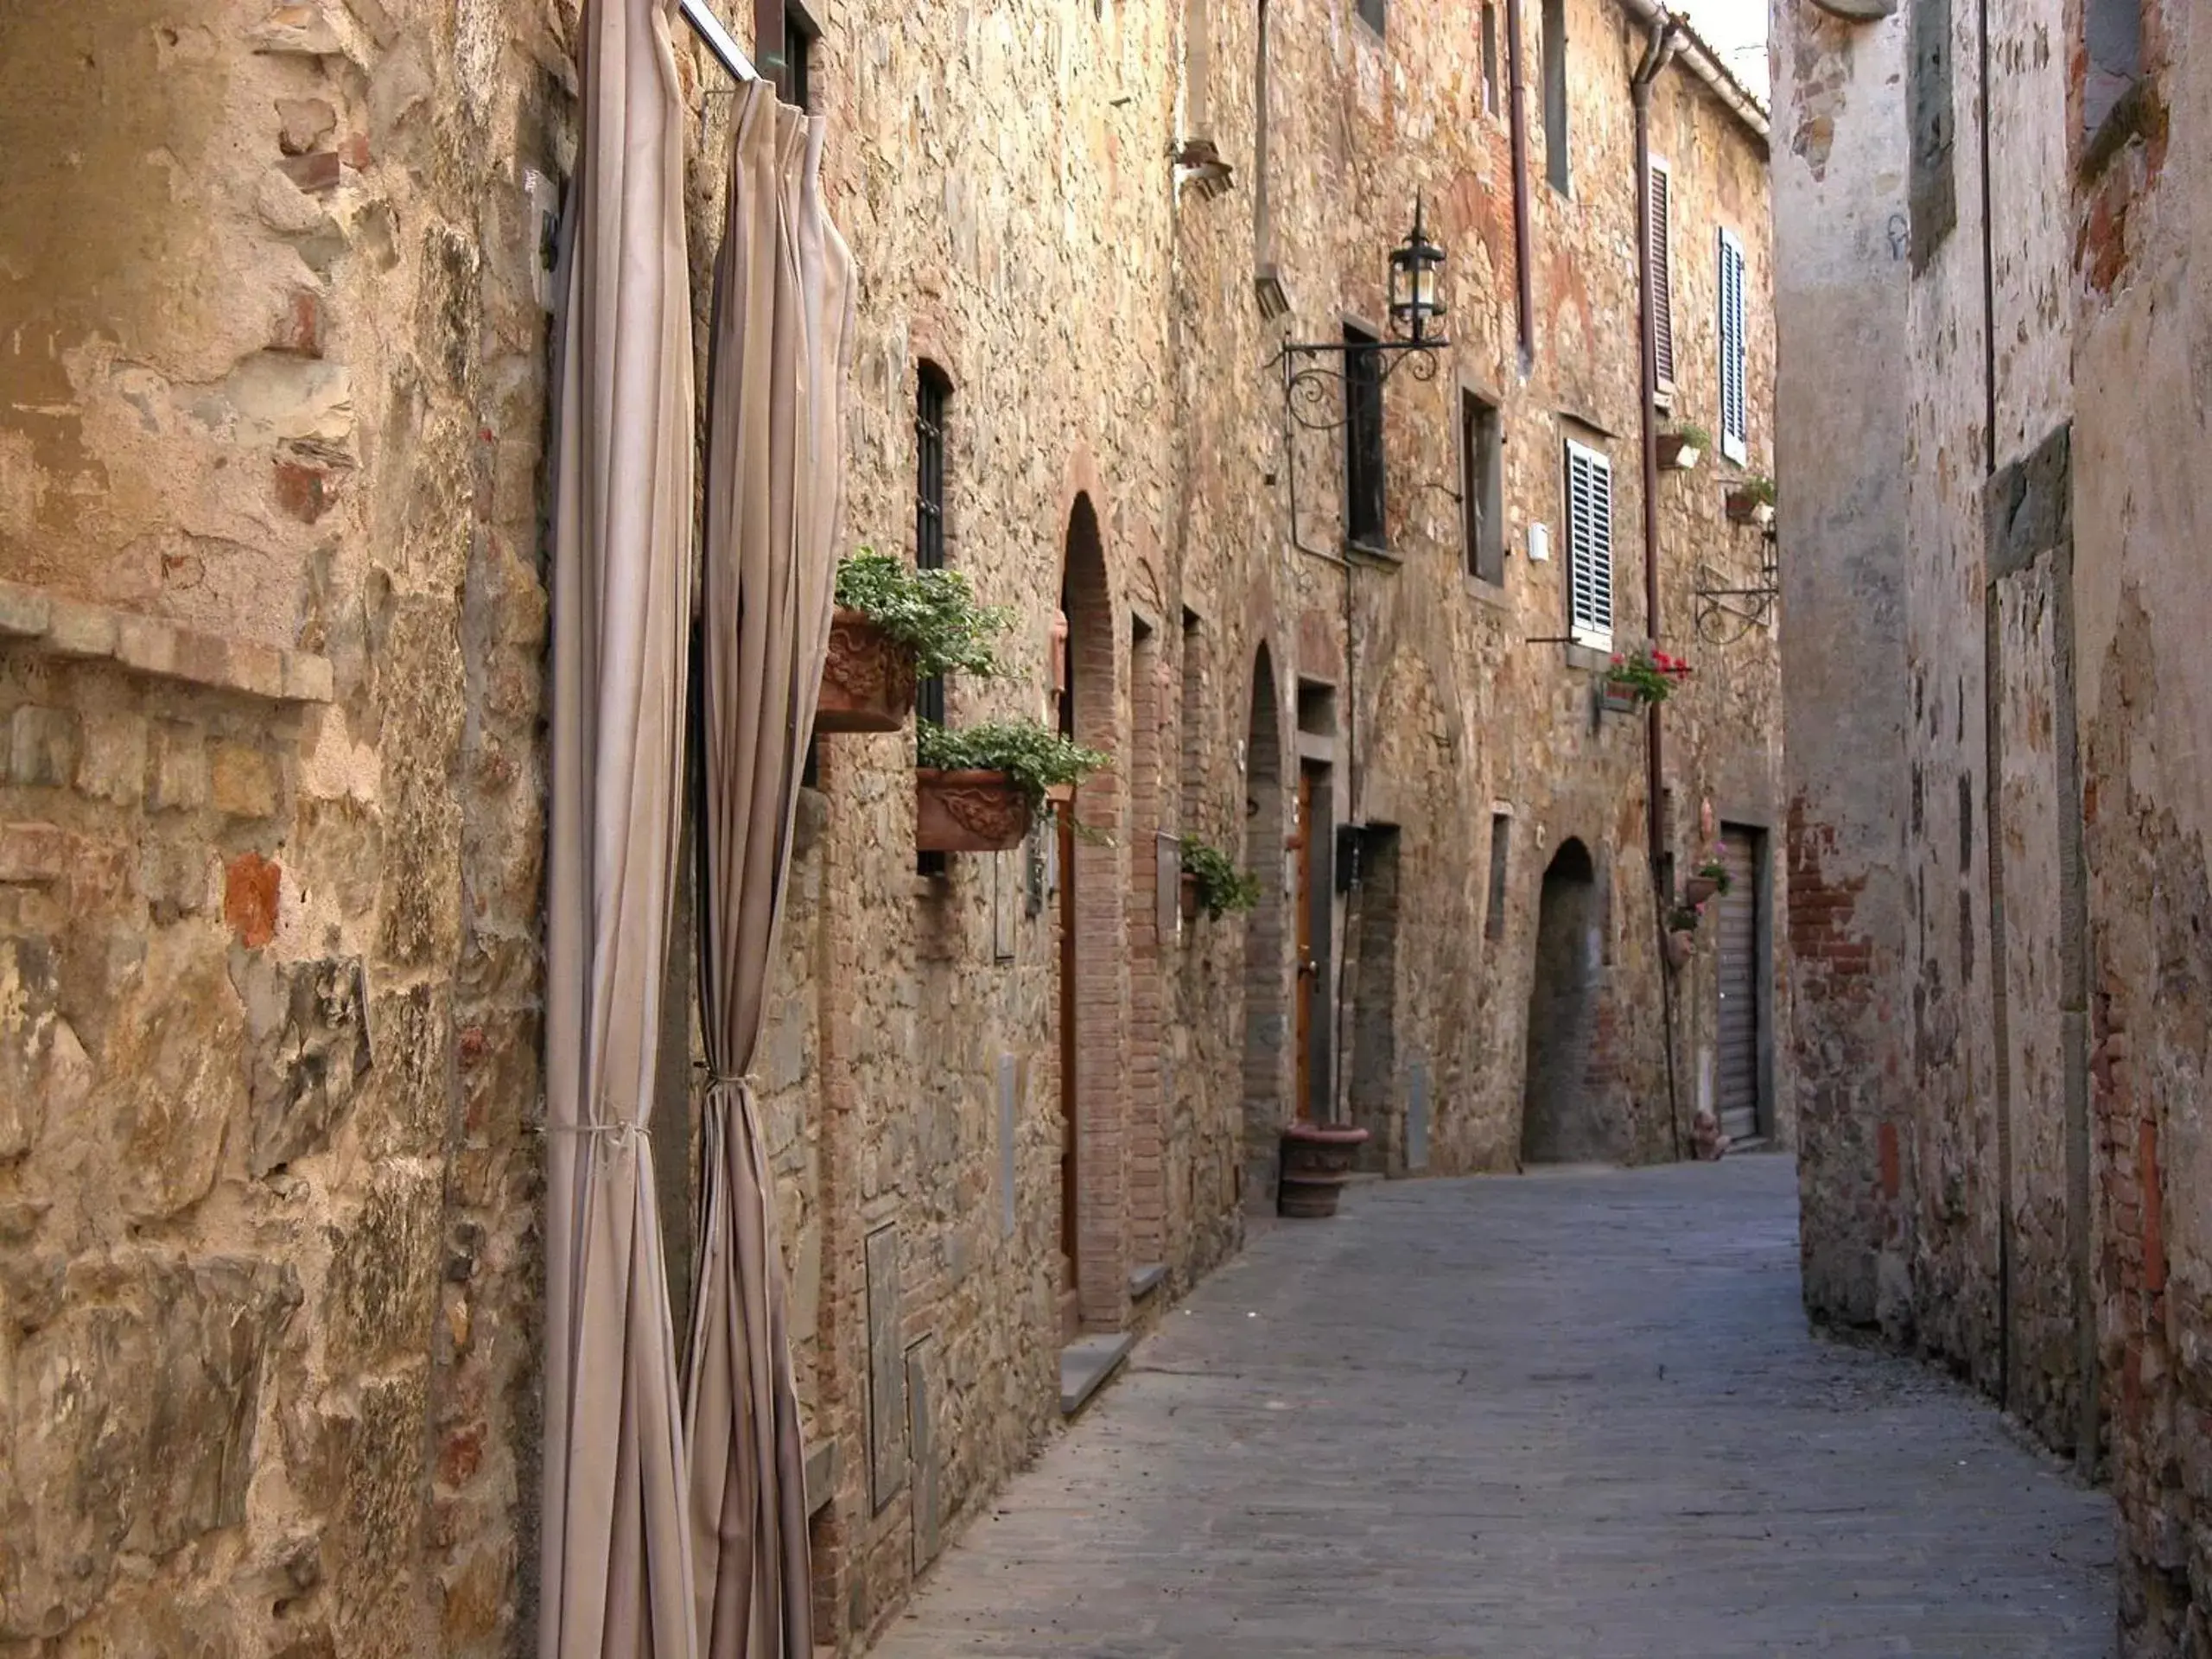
point(1096, 1093)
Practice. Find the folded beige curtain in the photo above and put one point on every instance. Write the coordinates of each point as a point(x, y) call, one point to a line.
point(615, 1569)
point(775, 447)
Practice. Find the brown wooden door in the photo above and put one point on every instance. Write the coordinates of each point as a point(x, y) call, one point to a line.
point(1743, 1011)
point(1070, 1318)
point(1301, 910)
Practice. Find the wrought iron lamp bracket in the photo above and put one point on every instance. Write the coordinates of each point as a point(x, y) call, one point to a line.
point(1727, 614)
point(1314, 373)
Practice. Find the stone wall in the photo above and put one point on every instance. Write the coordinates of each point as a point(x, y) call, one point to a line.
point(271, 652)
point(2008, 1212)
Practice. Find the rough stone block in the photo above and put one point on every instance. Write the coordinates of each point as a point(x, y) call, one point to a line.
point(307, 1051)
point(307, 122)
point(42, 747)
point(175, 876)
point(403, 1104)
point(77, 629)
point(112, 764)
point(44, 1074)
point(384, 1270)
point(170, 1066)
point(134, 1424)
point(25, 612)
point(242, 780)
point(176, 777)
point(34, 852)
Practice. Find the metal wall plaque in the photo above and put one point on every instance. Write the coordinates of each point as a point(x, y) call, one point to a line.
point(1009, 1092)
point(1417, 1115)
point(921, 1362)
point(887, 1370)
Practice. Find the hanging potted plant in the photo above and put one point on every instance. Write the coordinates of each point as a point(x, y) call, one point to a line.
point(894, 625)
point(977, 788)
point(1680, 450)
point(1711, 878)
point(1682, 935)
point(1643, 676)
point(1750, 501)
point(1212, 883)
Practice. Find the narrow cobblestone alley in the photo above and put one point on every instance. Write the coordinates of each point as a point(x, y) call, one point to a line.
point(1573, 1415)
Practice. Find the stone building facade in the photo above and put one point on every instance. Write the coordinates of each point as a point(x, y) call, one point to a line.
point(274, 292)
point(1984, 216)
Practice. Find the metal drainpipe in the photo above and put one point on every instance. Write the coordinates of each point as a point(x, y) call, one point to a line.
point(1656, 52)
point(1524, 294)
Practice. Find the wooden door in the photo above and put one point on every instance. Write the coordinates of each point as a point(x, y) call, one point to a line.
point(1302, 837)
point(1742, 1010)
point(1071, 1318)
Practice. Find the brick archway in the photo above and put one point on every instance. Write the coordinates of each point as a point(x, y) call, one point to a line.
point(1093, 961)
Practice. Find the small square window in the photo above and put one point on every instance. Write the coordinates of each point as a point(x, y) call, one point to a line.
point(1482, 467)
point(1371, 13)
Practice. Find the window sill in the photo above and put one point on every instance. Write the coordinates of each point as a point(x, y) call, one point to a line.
point(1483, 591)
point(1370, 553)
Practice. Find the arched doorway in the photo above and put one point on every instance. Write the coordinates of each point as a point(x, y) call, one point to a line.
point(1562, 1117)
point(1266, 1029)
point(1093, 1086)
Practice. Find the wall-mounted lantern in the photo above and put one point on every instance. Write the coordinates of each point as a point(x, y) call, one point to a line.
point(1414, 266)
point(1314, 372)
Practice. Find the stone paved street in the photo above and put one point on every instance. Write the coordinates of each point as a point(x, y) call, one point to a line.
point(1571, 1415)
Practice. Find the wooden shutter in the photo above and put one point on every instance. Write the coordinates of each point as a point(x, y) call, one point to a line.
point(1662, 276)
point(1735, 414)
point(1589, 546)
point(1743, 1013)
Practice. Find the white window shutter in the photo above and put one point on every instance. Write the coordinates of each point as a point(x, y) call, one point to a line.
point(1662, 276)
point(1589, 547)
point(1735, 409)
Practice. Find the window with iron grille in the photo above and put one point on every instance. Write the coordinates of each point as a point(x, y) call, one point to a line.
point(1370, 12)
point(1490, 57)
point(1735, 404)
point(1589, 546)
point(1555, 94)
point(1481, 488)
point(799, 36)
point(1663, 279)
point(1363, 514)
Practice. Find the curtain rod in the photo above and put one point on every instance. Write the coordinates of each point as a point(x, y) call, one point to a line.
point(719, 40)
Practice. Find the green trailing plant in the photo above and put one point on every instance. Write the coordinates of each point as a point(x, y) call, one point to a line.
point(1222, 887)
point(1758, 490)
point(1033, 756)
point(1715, 870)
point(1693, 436)
point(1649, 675)
point(1682, 919)
point(932, 612)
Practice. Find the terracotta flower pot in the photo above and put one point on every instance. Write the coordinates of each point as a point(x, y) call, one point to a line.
point(1746, 509)
point(968, 812)
point(867, 684)
point(1317, 1164)
point(1622, 697)
point(1186, 895)
point(1699, 888)
point(1679, 945)
point(1677, 454)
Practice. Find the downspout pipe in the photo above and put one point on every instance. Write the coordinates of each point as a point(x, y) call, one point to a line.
point(1517, 115)
point(1659, 46)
